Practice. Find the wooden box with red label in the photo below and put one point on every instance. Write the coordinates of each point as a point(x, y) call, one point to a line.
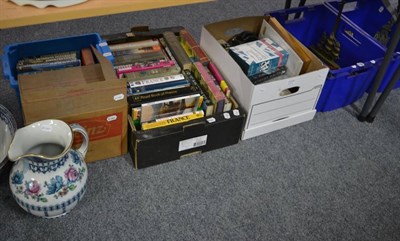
point(90, 95)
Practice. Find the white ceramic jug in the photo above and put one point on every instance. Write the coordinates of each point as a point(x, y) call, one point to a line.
point(48, 177)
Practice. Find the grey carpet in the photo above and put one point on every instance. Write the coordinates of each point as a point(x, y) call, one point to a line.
point(332, 178)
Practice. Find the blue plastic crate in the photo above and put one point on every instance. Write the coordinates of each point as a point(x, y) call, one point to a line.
point(15, 52)
point(370, 16)
point(360, 56)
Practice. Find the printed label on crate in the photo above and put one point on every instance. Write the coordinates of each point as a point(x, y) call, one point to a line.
point(100, 127)
point(119, 97)
point(227, 115)
point(192, 143)
point(112, 118)
point(211, 120)
point(107, 54)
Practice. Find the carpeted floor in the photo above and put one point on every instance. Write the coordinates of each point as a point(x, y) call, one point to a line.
point(332, 178)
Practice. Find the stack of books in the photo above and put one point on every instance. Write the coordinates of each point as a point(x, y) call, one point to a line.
point(170, 80)
point(53, 61)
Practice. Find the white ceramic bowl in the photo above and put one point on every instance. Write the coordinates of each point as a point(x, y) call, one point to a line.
point(44, 3)
point(8, 126)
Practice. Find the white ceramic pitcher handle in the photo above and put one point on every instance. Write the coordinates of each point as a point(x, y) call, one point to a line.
point(85, 143)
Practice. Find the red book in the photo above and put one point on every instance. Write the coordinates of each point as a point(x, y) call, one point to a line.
point(191, 42)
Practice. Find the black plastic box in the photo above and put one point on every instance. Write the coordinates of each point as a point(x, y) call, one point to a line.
point(156, 146)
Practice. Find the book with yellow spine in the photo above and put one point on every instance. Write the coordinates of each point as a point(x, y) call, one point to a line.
point(173, 120)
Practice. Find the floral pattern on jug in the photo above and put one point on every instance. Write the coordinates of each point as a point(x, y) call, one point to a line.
point(48, 177)
point(32, 188)
point(59, 188)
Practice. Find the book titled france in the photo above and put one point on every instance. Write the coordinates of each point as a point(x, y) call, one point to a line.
point(170, 107)
point(259, 56)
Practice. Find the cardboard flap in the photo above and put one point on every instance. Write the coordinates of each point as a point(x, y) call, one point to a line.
point(144, 28)
point(294, 43)
point(106, 66)
point(139, 33)
point(144, 32)
point(228, 28)
point(71, 91)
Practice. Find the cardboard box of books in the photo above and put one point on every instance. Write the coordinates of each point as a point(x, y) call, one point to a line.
point(283, 87)
point(178, 102)
point(90, 95)
point(46, 54)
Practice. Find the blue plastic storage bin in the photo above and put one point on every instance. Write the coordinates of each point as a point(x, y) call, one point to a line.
point(360, 56)
point(15, 52)
point(370, 16)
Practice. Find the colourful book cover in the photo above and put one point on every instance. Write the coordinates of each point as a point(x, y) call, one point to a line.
point(170, 107)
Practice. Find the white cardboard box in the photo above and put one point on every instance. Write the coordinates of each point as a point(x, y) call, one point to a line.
point(273, 105)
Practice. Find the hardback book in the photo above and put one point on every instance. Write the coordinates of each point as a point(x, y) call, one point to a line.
point(170, 107)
